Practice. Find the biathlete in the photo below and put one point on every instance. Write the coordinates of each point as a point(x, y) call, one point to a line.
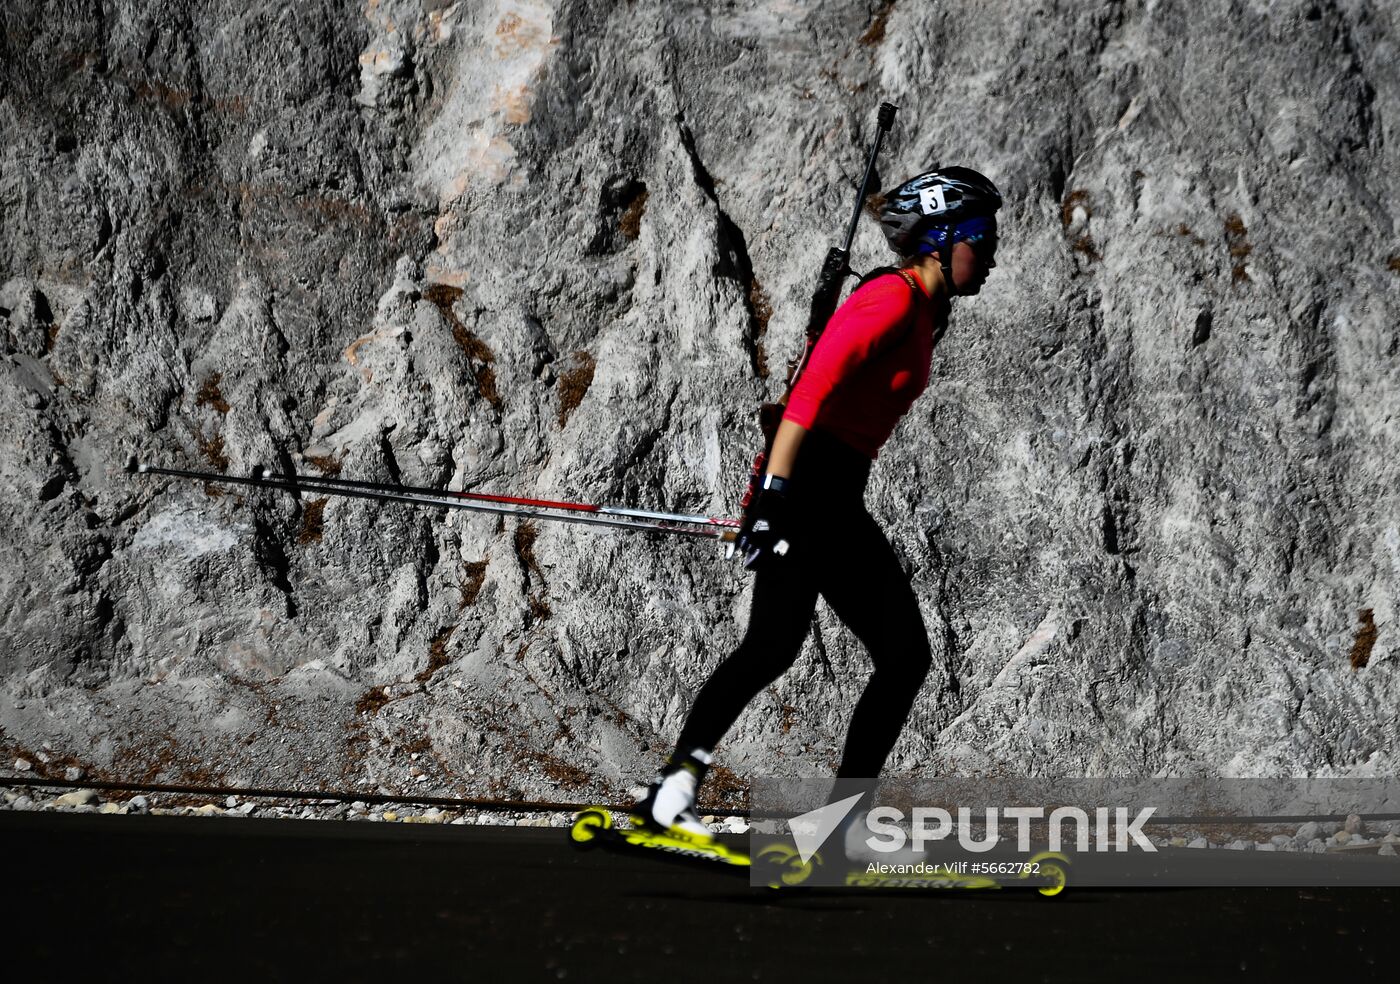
point(807, 533)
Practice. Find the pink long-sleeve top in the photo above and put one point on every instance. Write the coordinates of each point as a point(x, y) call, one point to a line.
point(869, 366)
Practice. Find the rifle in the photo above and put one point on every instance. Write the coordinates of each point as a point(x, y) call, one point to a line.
point(835, 269)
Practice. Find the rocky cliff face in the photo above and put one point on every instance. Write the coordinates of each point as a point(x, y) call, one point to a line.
point(1148, 503)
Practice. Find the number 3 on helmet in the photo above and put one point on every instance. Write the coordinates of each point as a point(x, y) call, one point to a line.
point(941, 197)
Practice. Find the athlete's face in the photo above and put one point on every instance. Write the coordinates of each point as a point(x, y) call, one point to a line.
point(972, 263)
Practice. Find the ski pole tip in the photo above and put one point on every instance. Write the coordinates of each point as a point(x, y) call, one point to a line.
point(134, 467)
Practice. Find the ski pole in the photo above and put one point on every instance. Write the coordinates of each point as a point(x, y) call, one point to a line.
point(431, 500)
point(320, 481)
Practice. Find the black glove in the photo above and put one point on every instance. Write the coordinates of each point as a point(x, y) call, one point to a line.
point(767, 524)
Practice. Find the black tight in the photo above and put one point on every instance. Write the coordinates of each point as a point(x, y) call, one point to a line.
point(840, 554)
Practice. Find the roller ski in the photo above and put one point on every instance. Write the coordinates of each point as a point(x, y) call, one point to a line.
point(1046, 872)
point(598, 826)
point(664, 821)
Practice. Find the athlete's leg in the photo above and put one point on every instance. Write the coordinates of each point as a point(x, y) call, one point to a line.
point(828, 480)
point(869, 591)
point(784, 598)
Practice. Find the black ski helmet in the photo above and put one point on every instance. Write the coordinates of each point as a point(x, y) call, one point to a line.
point(936, 200)
point(943, 196)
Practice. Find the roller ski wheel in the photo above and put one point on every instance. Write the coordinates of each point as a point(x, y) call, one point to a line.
point(783, 866)
point(588, 825)
point(1053, 873)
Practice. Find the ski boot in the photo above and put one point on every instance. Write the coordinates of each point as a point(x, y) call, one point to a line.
point(859, 845)
point(669, 805)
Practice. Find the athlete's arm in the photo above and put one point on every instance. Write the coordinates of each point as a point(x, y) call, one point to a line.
point(763, 535)
point(785, 445)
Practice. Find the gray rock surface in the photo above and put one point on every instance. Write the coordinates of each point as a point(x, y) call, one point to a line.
point(555, 247)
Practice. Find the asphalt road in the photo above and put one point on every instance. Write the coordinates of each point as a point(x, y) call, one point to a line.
point(108, 897)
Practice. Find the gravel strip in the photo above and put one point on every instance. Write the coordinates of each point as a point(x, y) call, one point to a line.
point(1353, 836)
point(169, 804)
